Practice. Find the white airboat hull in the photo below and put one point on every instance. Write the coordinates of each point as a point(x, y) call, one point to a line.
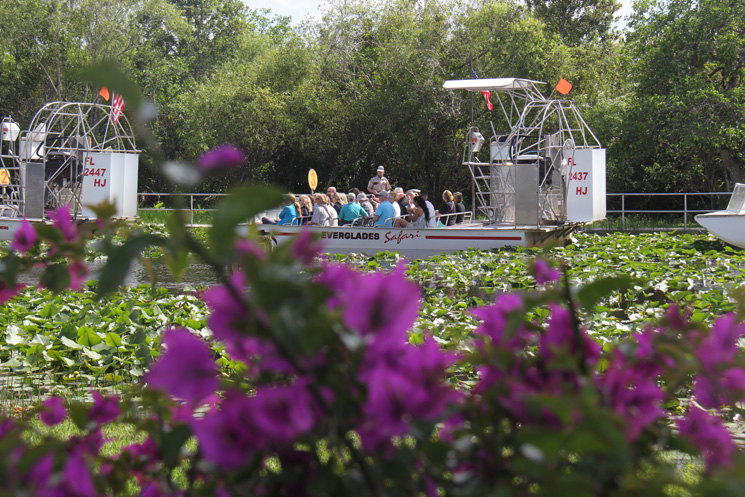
point(729, 224)
point(725, 225)
point(8, 228)
point(422, 243)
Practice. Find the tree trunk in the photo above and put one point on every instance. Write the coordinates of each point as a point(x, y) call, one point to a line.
point(734, 169)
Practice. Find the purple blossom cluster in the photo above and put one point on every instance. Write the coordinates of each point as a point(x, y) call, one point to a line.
point(223, 157)
point(331, 360)
point(66, 242)
point(68, 469)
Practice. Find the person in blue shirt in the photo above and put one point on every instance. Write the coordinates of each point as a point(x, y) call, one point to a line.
point(351, 211)
point(385, 213)
point(288, 214)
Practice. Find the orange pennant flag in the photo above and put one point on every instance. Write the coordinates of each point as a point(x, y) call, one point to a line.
point(104, 93)
point(564, 86)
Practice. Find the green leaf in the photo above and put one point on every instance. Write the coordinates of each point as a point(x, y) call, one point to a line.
point(93, 355)
point(241, 205)
point(69, 343)
point(56, 355)
point(173, 440)
point(104, 210)
point(113, 340)
point(13, 335)
point(120, 259)
point(87, 337)
point(78, 414)
point(592, 293)
point(109, 74)
point(48, 310)
point(56, 277)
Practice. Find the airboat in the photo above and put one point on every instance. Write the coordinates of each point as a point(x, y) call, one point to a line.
point(728, 224)
point(72, 154)
point(534, 184)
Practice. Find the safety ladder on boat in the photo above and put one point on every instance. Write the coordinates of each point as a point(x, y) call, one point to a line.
point(530, 169)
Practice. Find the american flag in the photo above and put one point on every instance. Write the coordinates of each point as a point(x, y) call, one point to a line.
point(117, 105)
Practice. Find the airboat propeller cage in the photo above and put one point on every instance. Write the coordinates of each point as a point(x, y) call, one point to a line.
point(73, 154)
point(548, 169)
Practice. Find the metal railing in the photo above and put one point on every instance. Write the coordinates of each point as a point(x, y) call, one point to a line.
point(692, 204)
point(688, 205)
point(191, 198)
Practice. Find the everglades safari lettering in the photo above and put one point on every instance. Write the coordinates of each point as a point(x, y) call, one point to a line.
point(340, 235)
point(400, 236)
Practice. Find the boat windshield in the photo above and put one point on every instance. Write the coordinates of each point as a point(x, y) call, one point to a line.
point(737, 201)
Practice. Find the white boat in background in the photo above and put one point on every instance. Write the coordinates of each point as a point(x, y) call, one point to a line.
point(422, 243)
point(535, 183)
point(729, 224)
point(73, 154)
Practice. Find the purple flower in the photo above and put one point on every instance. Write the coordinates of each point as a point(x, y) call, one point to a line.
point(223, 157)
point(635, 397)
point(274, 418)
point(158, 489)
point(53, 411)
point(725, 388)
point(6, 426)
point(230, 317)
point(244, 246)
point(404, 383)
point(284, 413)
point(78, 479)
point(38, 475)
point(707, 433)
point(186, 370)
point(89, 443)
point(62, 220)
point(675, 318)
point(367, 302)
point(544, 273)
point(495, 319)
point(561, 336)
point(25, 237)
point(226, 435)
point(104, 409)
point(305, 248)
point(146, 450)
point(7, 292)
point(719, 348)
point(78, 273)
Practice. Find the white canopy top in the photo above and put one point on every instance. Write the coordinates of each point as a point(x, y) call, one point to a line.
point(495, 84)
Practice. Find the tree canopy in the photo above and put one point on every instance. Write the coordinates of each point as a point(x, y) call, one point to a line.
point(362, 86)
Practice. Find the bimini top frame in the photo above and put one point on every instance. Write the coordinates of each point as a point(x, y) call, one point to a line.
point(541, 132)
point(44, 166)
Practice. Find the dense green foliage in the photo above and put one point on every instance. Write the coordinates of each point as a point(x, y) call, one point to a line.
point(363, 85)
point(70, 339)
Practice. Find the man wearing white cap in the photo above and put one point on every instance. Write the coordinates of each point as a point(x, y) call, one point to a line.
point(379, 182)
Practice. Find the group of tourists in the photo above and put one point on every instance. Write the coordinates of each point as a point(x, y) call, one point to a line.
point(382, 206)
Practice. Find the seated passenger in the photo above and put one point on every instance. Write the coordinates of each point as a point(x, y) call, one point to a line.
point(351, 211)
point(365, 204)
point(448, 207)
point(432, 223)
point(460, 208)
point(306, 209)
point(418, 214)
point(385, 213)
point(323, 213)
point(289, 213)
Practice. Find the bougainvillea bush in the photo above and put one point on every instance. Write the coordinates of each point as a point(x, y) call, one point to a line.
point(332, 398)
point(330, 393)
